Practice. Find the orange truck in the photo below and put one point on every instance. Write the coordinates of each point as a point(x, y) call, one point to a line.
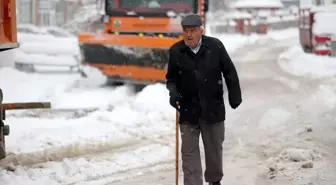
point(8, 37)
point(133, 47)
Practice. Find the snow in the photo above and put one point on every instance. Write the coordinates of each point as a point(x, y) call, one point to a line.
point(44, 50)
point(324, 23)
point(258, 4)
point(94, 131)
point(325, 8)
point(296, 62)
point(232, 42)
point(7, 58)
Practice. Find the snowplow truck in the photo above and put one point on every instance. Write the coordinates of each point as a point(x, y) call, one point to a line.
point(133, 47)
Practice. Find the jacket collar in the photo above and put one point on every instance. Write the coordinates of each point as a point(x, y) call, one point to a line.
point(204, 42)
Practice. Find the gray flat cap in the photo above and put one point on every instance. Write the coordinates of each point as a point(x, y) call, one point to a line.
point(192, 20)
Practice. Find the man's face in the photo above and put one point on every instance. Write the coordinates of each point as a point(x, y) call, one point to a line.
point(191, 36)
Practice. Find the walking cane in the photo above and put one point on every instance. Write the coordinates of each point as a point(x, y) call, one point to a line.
point(177, 146)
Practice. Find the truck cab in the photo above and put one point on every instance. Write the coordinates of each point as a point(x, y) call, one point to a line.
point(137, 36)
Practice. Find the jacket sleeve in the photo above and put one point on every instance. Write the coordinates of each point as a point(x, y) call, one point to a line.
point(230, 76)
point(172, 74)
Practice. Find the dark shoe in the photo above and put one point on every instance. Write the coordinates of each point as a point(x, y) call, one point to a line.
point(214, 183)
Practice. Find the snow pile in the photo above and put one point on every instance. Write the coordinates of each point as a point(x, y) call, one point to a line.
point(296, 62)
point(82, 170)
point(58, 46)
point(27, 37)
point(43, 52)
point(292, 159)
point(20, 87)
point(324, 23)
point(99, 113)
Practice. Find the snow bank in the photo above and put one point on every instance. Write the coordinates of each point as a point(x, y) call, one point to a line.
point(27, 37)
point(51, 48)
point(20, 87)
point(118, 110)
point(58, 133)
point(234, 41)
point(44, 58)
point(82, 170)
point(296, 62)
point(47, 50)
point(324, 23)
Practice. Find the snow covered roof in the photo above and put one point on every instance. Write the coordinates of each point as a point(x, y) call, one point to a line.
point(258, 4)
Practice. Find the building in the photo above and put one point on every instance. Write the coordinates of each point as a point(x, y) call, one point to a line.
point(45, 12)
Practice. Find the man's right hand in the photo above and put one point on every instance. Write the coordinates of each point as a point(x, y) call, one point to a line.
point(174, 100)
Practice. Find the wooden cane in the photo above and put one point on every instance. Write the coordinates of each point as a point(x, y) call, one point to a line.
point(177, 147)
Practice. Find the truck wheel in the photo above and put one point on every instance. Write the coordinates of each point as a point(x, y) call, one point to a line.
point(6, 130)
point(113, 83)
point(139, 87)
point(307, 49)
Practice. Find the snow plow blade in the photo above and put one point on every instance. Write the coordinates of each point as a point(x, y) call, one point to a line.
point(133, 59)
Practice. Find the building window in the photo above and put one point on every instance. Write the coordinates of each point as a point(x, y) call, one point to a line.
point(47, 18)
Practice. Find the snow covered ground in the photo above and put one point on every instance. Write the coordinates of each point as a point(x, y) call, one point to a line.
point(108, 135)
point(296, 62)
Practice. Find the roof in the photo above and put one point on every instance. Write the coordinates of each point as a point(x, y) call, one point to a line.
point(258, 4)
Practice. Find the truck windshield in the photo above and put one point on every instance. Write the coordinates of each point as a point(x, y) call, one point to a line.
point(150, 6)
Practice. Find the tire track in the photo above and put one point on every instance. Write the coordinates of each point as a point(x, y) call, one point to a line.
point(70, 151)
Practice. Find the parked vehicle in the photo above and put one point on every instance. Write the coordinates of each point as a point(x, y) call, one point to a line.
point(316, 26)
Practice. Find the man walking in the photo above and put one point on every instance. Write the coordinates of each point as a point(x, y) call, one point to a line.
point(194, 80)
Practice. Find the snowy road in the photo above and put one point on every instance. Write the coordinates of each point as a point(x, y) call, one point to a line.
point(284, 124)
point(269, 130)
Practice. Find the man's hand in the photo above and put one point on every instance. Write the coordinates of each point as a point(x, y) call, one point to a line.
point(234, 104)
point(174, 100)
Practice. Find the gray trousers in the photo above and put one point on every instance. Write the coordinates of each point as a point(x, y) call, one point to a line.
point(213, 137)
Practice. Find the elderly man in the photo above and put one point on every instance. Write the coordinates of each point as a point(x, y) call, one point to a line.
point(194, 80)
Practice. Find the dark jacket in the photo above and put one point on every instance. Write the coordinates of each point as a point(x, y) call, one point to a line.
point(198, 79)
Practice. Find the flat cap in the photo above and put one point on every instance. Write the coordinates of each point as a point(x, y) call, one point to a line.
point(192, 20)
